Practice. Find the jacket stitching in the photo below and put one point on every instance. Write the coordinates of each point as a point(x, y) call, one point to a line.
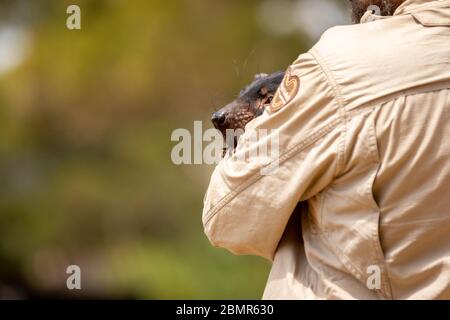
point(341, 103)
point(302, 145)
point(337, 92)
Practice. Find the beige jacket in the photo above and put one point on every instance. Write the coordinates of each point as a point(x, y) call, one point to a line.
point(363, 121)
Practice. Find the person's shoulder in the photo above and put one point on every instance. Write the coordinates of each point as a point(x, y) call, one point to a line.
point(346, 42)
point(339, 33)
point(366, 41)
point(360, 49)
point(378, 58)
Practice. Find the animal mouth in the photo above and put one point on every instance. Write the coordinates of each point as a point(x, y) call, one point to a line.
point(251, 103)
point(233, 125)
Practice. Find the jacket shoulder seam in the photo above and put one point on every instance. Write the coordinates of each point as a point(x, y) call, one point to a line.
point(330, 78)
point(340, 164)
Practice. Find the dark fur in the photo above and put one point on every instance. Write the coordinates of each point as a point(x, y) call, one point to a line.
point(250, 103)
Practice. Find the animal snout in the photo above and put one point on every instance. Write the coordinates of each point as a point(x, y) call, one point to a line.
point(218, 119)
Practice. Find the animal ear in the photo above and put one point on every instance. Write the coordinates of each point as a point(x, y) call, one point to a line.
point(260, 76)
point(264, 91)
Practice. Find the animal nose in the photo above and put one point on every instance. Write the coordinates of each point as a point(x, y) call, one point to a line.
point(218, 119)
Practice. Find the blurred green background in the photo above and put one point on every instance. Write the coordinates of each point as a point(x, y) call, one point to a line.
point(85, 123)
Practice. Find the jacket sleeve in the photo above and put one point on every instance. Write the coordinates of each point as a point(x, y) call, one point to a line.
point(246, 207)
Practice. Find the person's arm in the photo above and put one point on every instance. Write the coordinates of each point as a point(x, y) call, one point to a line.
point(245, 210)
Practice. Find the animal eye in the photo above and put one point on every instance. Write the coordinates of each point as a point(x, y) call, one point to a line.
point(268, 100)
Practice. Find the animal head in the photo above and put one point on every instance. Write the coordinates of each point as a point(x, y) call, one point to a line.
point(250, 103)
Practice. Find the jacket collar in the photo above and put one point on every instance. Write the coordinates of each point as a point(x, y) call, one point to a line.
point(410, 5)
point(417, 9)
